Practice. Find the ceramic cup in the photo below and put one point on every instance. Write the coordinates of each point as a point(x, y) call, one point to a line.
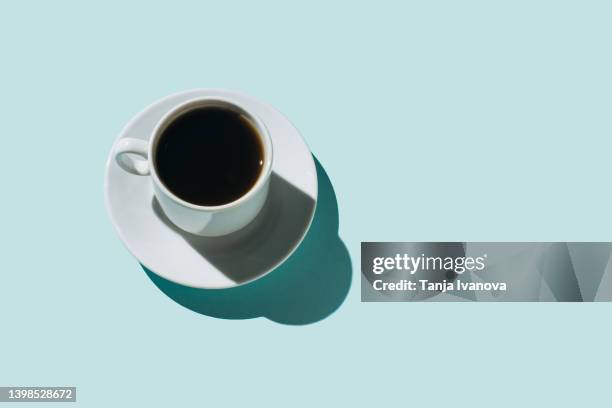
point(201, 220)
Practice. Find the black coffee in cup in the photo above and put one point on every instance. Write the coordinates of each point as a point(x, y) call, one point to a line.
point(209, 156)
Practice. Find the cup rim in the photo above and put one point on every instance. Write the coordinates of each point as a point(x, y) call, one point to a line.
point(194, 103)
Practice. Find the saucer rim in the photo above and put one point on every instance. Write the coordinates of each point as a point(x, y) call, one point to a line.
point(123, 239)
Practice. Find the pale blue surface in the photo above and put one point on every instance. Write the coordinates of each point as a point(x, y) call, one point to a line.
point(435, 121)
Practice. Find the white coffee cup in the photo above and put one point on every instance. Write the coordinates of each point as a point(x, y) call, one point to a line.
point(197, 219)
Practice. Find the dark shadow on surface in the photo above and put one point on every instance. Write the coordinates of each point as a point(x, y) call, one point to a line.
point(310, 285)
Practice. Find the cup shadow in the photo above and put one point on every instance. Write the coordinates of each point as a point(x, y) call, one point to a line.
point(309, 286)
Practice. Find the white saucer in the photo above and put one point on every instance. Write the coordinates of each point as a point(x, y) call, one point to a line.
point(220, 262)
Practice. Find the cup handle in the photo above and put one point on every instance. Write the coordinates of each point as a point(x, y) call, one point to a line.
point(132, 165)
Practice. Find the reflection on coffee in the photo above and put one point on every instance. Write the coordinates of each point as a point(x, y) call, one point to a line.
point(209, 156)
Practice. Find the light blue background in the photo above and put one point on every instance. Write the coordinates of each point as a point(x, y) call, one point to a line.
point(435, 120)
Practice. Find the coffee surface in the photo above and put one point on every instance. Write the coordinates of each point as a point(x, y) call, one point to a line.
point(209, 156)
